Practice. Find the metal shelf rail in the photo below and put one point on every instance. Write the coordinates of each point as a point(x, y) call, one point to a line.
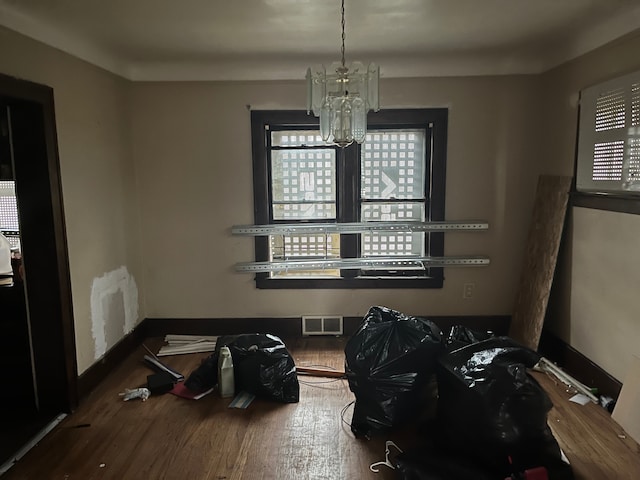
point(380, 263)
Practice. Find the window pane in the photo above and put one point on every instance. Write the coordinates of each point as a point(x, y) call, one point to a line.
point(393, 168)
point(632, 175)
point(610, 110)
point(635, 104)
point(300, 247)
point(8, 206)
point(392, 165)
point(296, 138)
point(307, 274)
point(305, 246)
point(392, 244)
point(389, 244)
point(608, 160)
point(9, 212)
point(303, 184)
point(391, 212)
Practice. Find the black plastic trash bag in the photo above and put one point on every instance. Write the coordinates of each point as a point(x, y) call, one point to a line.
point(390, 363)
point(262, 365)
point(491, 411)
point(428, 462)
point(460, 336)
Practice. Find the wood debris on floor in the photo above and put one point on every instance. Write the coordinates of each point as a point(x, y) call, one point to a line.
point(183, 344)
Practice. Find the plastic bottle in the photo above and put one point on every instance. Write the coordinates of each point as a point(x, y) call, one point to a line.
point(226, 383)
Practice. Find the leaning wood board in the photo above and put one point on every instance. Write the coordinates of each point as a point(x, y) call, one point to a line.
point(541, 255)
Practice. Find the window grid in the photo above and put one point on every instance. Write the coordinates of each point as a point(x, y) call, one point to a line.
point(391, 165)
point(288, 247)
point(303, 184)
point(391, 212)
point(305, 246)
point(608, 159)
point(303, 188)
point(9, 213)
point(400, 195)
point(296, 138)
point(608, 153)
point(389, 245)
point(635, 104)
point(633, 169)
point(8, 207)
point(392, 170)
point(610, 110)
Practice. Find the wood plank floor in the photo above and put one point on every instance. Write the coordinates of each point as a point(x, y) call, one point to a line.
point(168, 437)
point(597, 447)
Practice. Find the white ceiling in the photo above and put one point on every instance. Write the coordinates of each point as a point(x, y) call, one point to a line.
point(278, 39)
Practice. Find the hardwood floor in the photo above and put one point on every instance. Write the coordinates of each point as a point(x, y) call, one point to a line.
point(168, 437)
point(596, 445)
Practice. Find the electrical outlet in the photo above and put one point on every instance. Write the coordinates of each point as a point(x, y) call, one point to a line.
point(468, 289)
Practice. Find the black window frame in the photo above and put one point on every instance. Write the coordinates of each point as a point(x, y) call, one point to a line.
point(435, 123)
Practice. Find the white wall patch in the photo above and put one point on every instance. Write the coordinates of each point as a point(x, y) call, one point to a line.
point(114, 308)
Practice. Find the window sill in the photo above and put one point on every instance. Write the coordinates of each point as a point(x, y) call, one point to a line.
point(264, 282)
point(622, 203)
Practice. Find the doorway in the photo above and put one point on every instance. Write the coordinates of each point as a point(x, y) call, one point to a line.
point(36, 311)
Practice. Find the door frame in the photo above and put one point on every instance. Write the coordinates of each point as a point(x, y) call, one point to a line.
point(43, 236)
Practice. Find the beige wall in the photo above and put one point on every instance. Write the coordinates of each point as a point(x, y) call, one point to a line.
point(605, 266)
point(193, 161)
point(100, 198)
point(168, 166)
point(594, 303)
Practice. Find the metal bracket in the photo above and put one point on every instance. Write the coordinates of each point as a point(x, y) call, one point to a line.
point(356, 227)
point(381, 263)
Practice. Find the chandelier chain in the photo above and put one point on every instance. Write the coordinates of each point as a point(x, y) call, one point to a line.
point(343, 33)
point(342, 96)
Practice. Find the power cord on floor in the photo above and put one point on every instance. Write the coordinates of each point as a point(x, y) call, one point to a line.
point(304, 382)
point(344, 411)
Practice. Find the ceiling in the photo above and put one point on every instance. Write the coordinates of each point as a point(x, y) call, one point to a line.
point(278, 39)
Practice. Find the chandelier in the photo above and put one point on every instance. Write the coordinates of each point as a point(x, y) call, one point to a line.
point(341, 97)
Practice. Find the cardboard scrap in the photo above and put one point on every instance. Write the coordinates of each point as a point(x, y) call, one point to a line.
point(580, 399)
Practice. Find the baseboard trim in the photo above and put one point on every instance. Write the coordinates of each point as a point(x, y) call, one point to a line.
point(292, 327)
point(282, 327)
point(577, 365)
point(551, 346)
point(97, 372)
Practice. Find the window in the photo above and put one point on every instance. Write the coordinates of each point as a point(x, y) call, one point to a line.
point(397, 175)
point(609, 137)
point(9, 213)
point(8, 206)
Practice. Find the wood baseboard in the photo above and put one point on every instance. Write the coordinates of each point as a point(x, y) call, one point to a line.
point(292, 327)
point(96, 373)
point(551, 346)
point(282, 327)
point(579, 366)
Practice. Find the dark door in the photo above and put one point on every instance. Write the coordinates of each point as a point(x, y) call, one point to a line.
point(36, 311)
